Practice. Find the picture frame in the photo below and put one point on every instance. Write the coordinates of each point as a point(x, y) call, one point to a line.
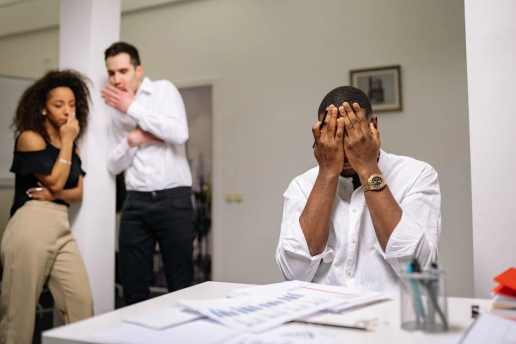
point(382, 85)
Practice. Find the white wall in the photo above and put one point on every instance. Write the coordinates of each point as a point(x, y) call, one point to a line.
point(10, 90)
point(22, 16)
point(95, 23)
point(490, 32)
point(272, 62)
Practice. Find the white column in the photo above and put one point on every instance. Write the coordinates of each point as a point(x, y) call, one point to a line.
point(491, 59)
point(87, 28)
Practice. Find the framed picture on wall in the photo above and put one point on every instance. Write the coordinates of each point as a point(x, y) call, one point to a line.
point(382, 85)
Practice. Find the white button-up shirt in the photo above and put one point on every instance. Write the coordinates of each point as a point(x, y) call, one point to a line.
point(353, 256)
point(158, 108)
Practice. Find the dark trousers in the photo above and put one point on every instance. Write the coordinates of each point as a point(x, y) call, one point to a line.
point(165, 216)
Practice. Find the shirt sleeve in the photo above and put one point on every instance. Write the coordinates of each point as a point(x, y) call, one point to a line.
point(417, 233)
point(120, 155)
point(292, 255)
point(169, 123)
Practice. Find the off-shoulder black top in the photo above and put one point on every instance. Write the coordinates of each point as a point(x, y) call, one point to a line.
point(26, 164)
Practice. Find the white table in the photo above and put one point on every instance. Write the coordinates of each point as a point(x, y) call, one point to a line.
point(387, 314)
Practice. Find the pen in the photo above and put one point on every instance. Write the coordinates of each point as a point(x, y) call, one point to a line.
point(430, 317)
point(433, 293)
point(367, 329)
point(420, 311)
point(322, 124)
point(432, 290)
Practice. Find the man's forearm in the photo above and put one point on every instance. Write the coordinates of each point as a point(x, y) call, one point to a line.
point(385, 211)
point(170, 129)
point(120, 157)
point(315, 219)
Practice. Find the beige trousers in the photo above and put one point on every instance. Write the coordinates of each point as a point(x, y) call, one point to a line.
point(38, 248)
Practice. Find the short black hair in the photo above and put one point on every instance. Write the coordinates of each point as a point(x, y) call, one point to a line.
point(122, 47)
point(348, 94)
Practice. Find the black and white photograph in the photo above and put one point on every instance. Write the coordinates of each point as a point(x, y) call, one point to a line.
point(382, 86)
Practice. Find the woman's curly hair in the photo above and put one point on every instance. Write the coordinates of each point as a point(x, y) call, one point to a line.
point(28, 113)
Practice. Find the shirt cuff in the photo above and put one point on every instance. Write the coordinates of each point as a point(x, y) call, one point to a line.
point(123, 147)
point(403, 240)
point(136, 110)
point(295, 242)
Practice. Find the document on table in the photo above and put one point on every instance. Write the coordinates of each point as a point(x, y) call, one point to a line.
point(492, 329)
point(288, 334)
point(163, 318)
point(199, 331)
point(264, 311)
point(350, 298)
point(267, 288)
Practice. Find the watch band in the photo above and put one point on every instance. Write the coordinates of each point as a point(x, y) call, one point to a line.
point(369, 186)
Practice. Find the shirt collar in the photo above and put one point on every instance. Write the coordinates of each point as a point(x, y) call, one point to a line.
point(146, 86)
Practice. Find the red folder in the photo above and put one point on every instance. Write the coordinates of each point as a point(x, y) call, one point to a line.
point(503, 290)
point(507, 284)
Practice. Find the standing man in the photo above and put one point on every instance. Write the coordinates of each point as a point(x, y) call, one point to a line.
point(149, 130)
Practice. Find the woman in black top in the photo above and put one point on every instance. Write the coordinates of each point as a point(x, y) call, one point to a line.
point(37, 247)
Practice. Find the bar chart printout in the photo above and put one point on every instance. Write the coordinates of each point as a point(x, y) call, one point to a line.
point(262, 312)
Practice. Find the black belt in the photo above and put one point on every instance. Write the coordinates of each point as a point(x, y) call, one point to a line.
point(182, 191)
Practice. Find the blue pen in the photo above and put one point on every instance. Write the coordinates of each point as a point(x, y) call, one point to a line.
point(417, 296)
point(433, 294)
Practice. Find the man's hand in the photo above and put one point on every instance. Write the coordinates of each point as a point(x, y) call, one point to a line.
point(120, 99)
point(361, 141)
point(329, 150)
point(41, 193)
point(139, 136)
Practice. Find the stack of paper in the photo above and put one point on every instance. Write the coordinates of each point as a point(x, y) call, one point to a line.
point(349, 298)
point(274, 287)
point(504, 295)
point(263, 311)
point(249, 316)
point(163, 318)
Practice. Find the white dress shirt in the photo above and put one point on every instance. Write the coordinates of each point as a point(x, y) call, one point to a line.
point(353, 257)
point(158, 108)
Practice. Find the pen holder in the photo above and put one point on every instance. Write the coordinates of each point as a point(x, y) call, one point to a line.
point(423, 301)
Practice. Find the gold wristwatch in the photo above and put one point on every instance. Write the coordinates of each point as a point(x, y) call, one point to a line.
point(375, 183)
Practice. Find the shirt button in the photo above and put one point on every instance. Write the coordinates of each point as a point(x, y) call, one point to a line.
point(329, 257)
point(349, 273)
point(354, 210)
point(354, 240)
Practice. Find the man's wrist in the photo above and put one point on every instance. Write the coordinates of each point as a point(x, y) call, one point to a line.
point(367, 172)
point(135, 110)
point(328, 176)
point(130, 142)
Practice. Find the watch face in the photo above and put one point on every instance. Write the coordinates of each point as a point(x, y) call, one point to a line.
point(376, 182)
